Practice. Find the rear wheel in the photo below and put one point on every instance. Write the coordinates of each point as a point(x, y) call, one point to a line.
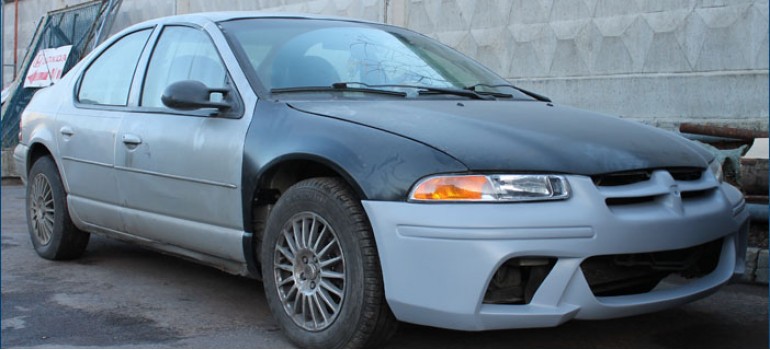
point(321, 271)
point(53, 234)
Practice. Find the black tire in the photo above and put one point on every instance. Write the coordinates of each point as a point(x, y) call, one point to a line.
point(362, 317)
point(53, 234)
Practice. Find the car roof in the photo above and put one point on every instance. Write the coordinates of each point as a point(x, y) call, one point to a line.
point(202, 18)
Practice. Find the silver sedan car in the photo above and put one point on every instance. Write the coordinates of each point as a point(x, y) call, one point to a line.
point(367, 175)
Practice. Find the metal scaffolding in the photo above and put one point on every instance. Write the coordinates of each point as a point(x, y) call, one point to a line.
point(80, 26)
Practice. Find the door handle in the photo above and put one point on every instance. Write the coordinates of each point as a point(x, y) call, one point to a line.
point(67, 131)
point(130, 139)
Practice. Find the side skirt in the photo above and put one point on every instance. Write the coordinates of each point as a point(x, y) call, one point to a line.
point(229, 266)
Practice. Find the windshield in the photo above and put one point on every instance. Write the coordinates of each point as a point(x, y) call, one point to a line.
point(286, 54)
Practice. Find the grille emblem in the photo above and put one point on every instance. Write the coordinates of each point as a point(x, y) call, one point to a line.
point(674, 201)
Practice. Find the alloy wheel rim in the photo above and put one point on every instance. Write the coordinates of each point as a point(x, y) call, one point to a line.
point(42, 209)
point(309, 271)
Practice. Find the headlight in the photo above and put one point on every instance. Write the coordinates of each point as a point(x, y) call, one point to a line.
point(491, 188)
point(716, 168)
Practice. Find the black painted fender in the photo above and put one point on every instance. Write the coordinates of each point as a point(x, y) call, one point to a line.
point(379, 165)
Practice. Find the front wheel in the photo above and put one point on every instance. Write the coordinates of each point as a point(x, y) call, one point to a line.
point(321, 271)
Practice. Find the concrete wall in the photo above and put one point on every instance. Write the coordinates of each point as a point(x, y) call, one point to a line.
point(663, 61)
point(658, 61)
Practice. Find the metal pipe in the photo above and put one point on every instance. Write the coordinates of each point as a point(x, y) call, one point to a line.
point(15, 37)
point(708, 139)
point(105, 15)
point(758, 212)
point(2, 67)
point(721, 131)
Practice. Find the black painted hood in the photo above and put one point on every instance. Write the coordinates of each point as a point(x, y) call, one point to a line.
point(521, 135)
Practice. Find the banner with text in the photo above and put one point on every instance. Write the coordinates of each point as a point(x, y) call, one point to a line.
point(47, 67)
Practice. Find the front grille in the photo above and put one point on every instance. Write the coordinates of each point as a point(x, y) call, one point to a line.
point(686, 196)
point(692, 195)
point(621, 179)
point(629, 200)
point(686, 174)
point(630, 192)
point(624, 274)
point(632, 177)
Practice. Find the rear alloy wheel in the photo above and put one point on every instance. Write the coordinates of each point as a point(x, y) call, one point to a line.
point(41, 209)
point(53, 234)
point(321, 271)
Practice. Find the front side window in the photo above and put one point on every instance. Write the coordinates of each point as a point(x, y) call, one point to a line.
point(107, 80)
point(182, 53)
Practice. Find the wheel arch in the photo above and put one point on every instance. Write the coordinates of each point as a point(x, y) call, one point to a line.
point(38, 150)
point(300, 166)
point(271, 182)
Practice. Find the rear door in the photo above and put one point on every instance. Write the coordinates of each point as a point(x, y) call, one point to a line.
point(179, 172)
point(87, 129)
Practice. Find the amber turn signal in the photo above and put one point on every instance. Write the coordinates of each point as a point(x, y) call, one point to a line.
point(453, 188)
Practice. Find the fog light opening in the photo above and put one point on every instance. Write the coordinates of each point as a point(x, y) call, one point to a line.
point(517, 280)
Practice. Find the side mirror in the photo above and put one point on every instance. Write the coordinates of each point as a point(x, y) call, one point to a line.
point(189, 95)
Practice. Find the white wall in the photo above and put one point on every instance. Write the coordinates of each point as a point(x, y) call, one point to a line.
point(662, 61)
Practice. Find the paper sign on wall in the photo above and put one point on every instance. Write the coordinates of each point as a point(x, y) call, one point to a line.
point(47, 67)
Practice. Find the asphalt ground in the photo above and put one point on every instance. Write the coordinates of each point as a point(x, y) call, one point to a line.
point(123, 296)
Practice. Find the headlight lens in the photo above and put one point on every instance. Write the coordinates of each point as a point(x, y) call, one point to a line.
point(716, 168)
point(491, 188)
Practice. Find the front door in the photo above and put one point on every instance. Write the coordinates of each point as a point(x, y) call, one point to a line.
point(179, 173)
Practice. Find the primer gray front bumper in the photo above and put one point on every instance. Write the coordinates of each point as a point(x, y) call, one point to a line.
point(438, 259)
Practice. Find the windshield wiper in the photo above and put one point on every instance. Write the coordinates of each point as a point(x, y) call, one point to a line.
point(337, 87)
point(526, 92)
point(377, 88)
point(427, 90)
point(421, 90)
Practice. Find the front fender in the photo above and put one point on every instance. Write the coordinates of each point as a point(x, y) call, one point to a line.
point(378, 164)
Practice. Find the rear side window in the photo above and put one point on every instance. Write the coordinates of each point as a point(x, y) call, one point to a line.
point(107, 80)
point(182, 53)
